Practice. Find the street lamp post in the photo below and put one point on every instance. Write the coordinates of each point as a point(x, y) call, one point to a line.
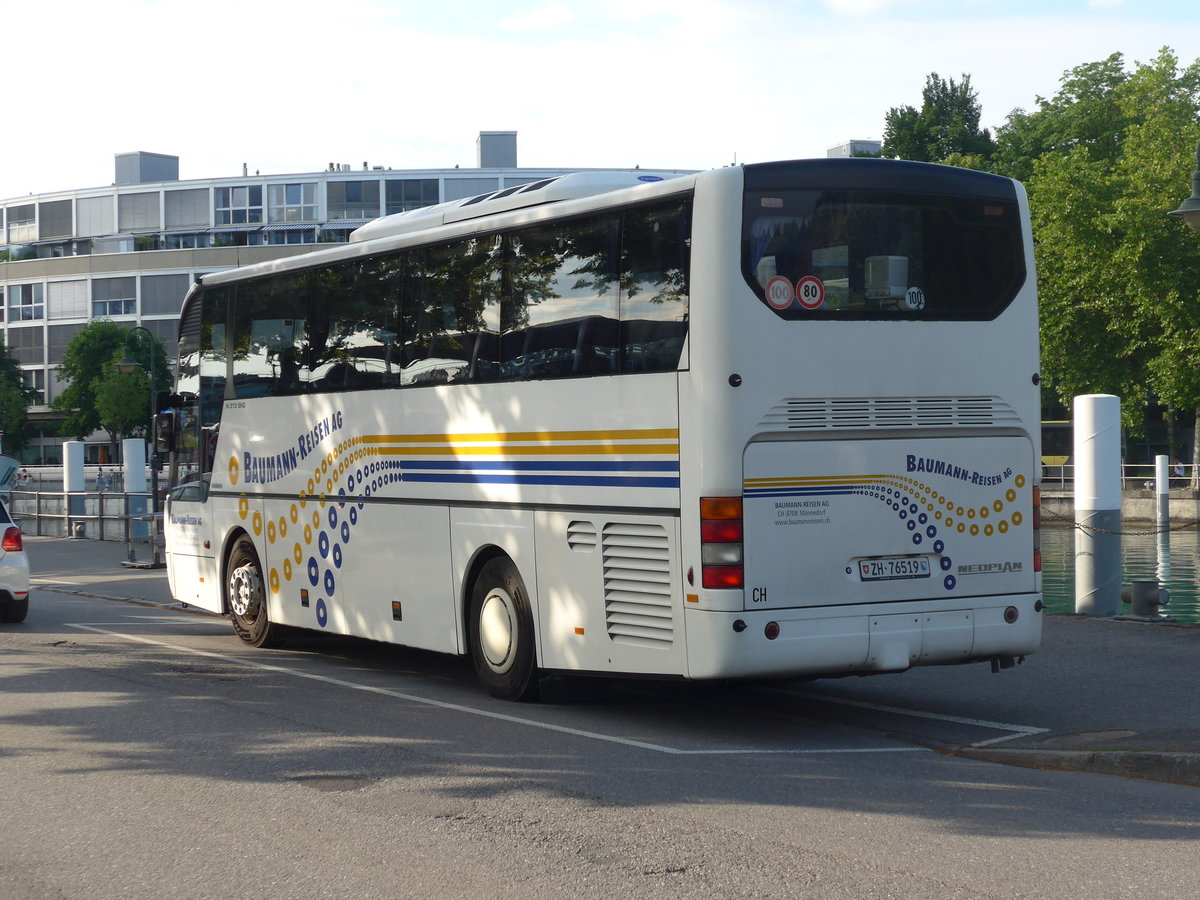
point(1189, 209)
point(127, 366)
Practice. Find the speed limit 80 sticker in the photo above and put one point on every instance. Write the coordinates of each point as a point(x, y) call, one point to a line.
point(810, 291)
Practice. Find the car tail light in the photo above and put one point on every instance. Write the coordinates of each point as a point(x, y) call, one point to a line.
point(1037, 529)
point(12, 539)
point(721, 542)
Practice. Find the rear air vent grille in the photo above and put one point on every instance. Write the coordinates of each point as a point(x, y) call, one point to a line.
point(807, 414)
point(637, 584)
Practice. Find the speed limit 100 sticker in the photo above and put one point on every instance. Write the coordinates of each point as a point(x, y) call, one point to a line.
point(810, 291)
point(780, 292)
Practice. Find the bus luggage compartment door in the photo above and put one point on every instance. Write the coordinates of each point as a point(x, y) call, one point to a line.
point(869, 521)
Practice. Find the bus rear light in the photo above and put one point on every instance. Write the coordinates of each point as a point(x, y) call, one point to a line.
point(721, 542)
point(1011, 614)
point(722, 576)
point(720, 508)
point(721, 554)
point(771, 631)
point(720, 530)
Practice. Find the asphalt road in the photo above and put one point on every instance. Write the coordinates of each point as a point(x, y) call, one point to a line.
point(147, 753)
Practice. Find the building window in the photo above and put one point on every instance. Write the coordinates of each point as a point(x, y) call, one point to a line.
point(25, 345)
point(35, 379)
point(95, 215)
point(55, 217)
point(67, 299)
point(59, 338)
point(163, 294)
point(297, 236)
point(22, 223)
point(292, 202)
point(238, 205)
point(186, 209)
point(184, 241)
point(353, 199)
point(138, 212)
point(249, 237)
point(412, 193)
point(114, 297)
point(26, 303)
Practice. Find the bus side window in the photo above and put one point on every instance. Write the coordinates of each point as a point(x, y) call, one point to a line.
point(563, 280)
point(655, 259)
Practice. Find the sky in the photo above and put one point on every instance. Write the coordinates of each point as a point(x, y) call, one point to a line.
point(289, 86)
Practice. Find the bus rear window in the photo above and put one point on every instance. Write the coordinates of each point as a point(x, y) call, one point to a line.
point(881, 254)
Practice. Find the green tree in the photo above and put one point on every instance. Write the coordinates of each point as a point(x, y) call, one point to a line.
point(1104, 161)
point(946, 125)
point(1086, 112)
point(97, 396)
point(15, 400)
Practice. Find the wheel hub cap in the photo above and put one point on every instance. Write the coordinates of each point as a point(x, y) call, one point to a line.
point(496, 629)
point(245, 587)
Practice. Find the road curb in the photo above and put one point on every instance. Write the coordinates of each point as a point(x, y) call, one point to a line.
point(172, 605)
point(1175, 768)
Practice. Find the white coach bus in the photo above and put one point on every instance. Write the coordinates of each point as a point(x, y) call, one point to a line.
point(767, 420)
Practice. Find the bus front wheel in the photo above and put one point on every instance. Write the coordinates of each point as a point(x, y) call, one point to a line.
point(247, 595)
point(501, 632)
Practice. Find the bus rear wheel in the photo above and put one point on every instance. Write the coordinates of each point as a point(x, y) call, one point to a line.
point(247, 595)
point(501, 632)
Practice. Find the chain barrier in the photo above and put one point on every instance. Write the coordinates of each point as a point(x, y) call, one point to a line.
point(1091, 529)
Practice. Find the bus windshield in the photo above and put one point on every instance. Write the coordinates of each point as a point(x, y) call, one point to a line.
point(828, 252)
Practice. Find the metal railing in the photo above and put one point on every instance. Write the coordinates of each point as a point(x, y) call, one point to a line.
point(94, 515)
point(1134, 477)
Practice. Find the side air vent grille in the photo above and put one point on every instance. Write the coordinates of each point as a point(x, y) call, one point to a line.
point(637, 585)
point(581, 536)
point(808, 414)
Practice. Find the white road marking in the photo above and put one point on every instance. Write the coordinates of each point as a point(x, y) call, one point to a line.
point(1017, 731)
point(474, 711)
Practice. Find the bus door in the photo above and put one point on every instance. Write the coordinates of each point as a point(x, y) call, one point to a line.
point(187, 520)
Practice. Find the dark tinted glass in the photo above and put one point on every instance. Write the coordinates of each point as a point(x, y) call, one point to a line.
point(951, 250)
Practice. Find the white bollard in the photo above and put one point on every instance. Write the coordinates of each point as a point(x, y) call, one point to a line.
point(134, 450)
point(1162, 491)
point(73, 477)
point(74, 482)
point(1098, 504)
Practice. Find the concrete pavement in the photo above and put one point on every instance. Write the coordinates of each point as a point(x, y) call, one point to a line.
point(1113, 696)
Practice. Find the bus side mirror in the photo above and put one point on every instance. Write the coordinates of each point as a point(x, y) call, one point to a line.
point(164, 432)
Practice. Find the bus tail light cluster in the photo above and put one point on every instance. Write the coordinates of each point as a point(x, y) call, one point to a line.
point(1037, 529)
point(721, 542)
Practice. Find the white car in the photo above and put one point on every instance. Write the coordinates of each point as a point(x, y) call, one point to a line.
point(14, 570)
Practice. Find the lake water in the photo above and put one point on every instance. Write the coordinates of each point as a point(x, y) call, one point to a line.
point(1172, 558)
